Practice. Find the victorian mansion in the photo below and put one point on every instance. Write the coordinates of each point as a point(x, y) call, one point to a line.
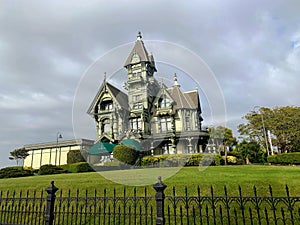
point(164, 120)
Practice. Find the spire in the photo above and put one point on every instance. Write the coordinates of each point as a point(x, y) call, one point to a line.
point(139, 36)
point(104, 80)
point(176, 81)
point(139, 54)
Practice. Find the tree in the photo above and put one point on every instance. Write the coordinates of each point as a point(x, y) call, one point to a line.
point(251, 152)
point(75, 156)
point(222, 138)
point(283, 123)
point(19, 155)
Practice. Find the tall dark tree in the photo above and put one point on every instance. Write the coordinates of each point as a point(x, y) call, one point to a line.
point(19, 155)
point(251, 152)
point(283, 124)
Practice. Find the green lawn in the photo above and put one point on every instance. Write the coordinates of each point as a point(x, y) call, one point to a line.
point(191, 177)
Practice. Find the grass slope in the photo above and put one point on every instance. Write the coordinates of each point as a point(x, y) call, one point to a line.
point(190, 177)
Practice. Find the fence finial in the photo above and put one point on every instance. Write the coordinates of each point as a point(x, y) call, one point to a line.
point(159, 180)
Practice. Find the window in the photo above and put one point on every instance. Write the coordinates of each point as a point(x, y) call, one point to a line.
point(164, 102)
point(107, 105)
point(136, 74)
point(188, 120)
point(165, 124)
point(187, 123)
point(136, 123)
point(138, 105)
point(106, 126)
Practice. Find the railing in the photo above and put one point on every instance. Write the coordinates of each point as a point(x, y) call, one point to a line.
point(143, 207)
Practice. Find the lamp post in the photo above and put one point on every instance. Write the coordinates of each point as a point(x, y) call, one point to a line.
point(58, 135)
point(264, 130)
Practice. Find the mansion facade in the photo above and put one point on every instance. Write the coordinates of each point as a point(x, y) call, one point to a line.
point(164, 120)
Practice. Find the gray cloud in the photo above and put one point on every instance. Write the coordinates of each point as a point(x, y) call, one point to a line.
point(251, 46)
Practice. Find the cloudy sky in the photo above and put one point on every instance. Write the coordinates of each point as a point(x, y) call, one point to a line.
point(252, 47)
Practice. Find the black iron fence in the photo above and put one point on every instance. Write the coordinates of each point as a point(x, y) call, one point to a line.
point(144, 208)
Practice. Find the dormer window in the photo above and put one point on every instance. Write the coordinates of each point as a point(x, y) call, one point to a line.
point(135, 58)
point(164, 102)
point(106, 106)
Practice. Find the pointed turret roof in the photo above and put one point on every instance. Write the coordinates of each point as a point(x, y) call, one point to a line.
point(139, 53)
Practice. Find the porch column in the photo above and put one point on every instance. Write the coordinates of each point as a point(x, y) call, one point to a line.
point(152, 148)
point(190, 146)
point(174, 150)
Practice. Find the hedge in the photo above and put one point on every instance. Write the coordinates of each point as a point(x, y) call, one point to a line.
point(75, 156)
point(285, 158)
point(51, 169)
point(79, 167)
point(125, 154)
point(182, 160)
point(14, 171)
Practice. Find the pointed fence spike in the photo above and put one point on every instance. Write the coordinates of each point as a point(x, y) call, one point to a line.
point(225, 190)
point(240, 191)
point(287, 190)
point(255, 191)
point(270, 190)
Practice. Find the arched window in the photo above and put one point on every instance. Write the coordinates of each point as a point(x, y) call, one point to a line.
point(106, 126)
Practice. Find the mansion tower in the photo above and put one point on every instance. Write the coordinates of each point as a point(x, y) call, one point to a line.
point(164, 120)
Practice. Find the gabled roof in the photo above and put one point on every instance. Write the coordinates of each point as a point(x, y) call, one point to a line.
point(184, 100)
point(119, 96)
point(140, 50)
point(163, 91)
point(194, 97)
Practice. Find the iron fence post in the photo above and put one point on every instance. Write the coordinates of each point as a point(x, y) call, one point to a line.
point(160, 201)
point(49, 215)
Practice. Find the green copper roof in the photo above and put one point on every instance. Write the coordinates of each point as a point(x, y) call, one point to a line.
point(101, 148)
point(132, 143)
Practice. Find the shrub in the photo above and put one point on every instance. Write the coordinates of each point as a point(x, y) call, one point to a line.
point(51, 169)
point(182, 160)
point(125, 154)
point(77, 167)
point(231, 160)
point(285, 158)
point(14, 171)
point(75, 156)
point(272, 159)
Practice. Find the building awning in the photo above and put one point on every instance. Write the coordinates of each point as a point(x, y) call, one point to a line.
point(101, 148)
point(132, 143)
